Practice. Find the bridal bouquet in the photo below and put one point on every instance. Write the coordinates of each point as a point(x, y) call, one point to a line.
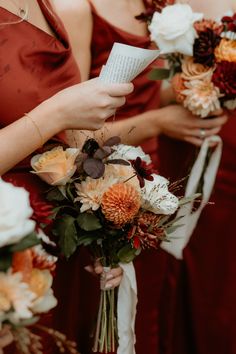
point(202, 57)
point(109, 198)
point(26, 273)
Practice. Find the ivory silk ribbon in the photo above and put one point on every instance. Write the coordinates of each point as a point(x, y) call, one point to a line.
point(126, 310)
point(181, 236)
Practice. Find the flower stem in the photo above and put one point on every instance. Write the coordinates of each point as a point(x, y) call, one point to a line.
point(98, 326)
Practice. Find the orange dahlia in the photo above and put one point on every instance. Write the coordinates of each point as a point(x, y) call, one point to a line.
point(120, 203)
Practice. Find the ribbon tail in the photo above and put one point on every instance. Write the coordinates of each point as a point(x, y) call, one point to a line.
point(126, 310)
point(180, 237)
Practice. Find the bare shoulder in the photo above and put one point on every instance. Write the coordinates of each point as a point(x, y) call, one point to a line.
point(76, 7)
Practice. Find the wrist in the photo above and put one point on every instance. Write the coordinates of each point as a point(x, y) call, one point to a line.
point(155, 120)
point(48, 117)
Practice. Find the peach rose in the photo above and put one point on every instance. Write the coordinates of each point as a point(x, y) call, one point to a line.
point(40, 284)
point(56, 166)
point(178, 86)
point(226, 51)
point(194, 71)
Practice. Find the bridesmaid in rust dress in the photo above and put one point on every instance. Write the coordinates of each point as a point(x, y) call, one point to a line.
point(103, 25)
point(39, 75)
point(201, 289)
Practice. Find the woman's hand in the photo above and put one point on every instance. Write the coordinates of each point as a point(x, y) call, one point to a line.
point(87, 105)
point(6, 338)
point(112, 278)
point(177, 122)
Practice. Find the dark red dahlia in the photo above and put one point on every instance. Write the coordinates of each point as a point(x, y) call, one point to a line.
point(224, 77)
point(229, 23)
point(143, 170)
point(204, 47)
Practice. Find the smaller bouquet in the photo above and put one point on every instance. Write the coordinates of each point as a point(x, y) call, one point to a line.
point(26, 274)
point(201, 54)
point(110, 199)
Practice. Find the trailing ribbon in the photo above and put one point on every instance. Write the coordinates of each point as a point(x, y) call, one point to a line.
point(181, 236)
point(126, 310)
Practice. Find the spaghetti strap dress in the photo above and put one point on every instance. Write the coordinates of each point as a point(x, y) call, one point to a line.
point(34, 66)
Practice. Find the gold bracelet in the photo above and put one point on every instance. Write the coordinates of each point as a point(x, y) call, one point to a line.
point(27, 115)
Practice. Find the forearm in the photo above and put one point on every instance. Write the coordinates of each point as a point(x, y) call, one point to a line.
point(132, 131)
point(27, 134)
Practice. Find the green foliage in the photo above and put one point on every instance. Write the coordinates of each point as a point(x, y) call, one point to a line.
point(5, 260)
point(159, 74)
point(55, 195)
point(127, 254)
point(27, 242)
point(88, 222)
point(66, 231)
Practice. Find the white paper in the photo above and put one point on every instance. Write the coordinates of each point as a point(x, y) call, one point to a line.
point(180, 238)
point(125, 62)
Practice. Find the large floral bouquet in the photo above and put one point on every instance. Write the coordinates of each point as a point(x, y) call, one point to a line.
point(26, 273)
point(201, 55)
point(110, 199)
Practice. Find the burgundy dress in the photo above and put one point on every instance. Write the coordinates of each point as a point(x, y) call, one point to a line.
point(201, 289)
point(33, 66)
point(145, 97)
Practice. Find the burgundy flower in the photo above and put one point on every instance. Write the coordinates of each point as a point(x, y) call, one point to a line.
point(204, 47)
point(224, 77)
point(229, 23)
point(42, 211)
point(146, 233)
point(143, 170)
point(151, 7)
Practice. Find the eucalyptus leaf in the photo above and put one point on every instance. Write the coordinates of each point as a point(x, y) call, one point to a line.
point(114, 140)
point(88, 222)
point(159, 74)
point(94, 168)
point(118, 162)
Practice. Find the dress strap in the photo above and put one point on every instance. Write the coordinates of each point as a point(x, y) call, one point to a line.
point(54, 21)
point(93, 8)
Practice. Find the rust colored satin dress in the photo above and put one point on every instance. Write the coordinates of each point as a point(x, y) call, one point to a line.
point(33, 66)
point(146, 96)
point(201, 289)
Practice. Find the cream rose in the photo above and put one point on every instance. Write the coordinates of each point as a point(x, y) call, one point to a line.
point(157, 198)
point(173, 29)
point(15, 213)
point(56, 166)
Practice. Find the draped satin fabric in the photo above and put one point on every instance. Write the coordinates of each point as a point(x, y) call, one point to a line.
point(201, 290)
point(33, 66)
point(146, 96)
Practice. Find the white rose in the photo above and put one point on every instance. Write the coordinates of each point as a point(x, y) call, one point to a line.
point(127, 152)
point(15, 212)
point(173, 29)
point(157, 198)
